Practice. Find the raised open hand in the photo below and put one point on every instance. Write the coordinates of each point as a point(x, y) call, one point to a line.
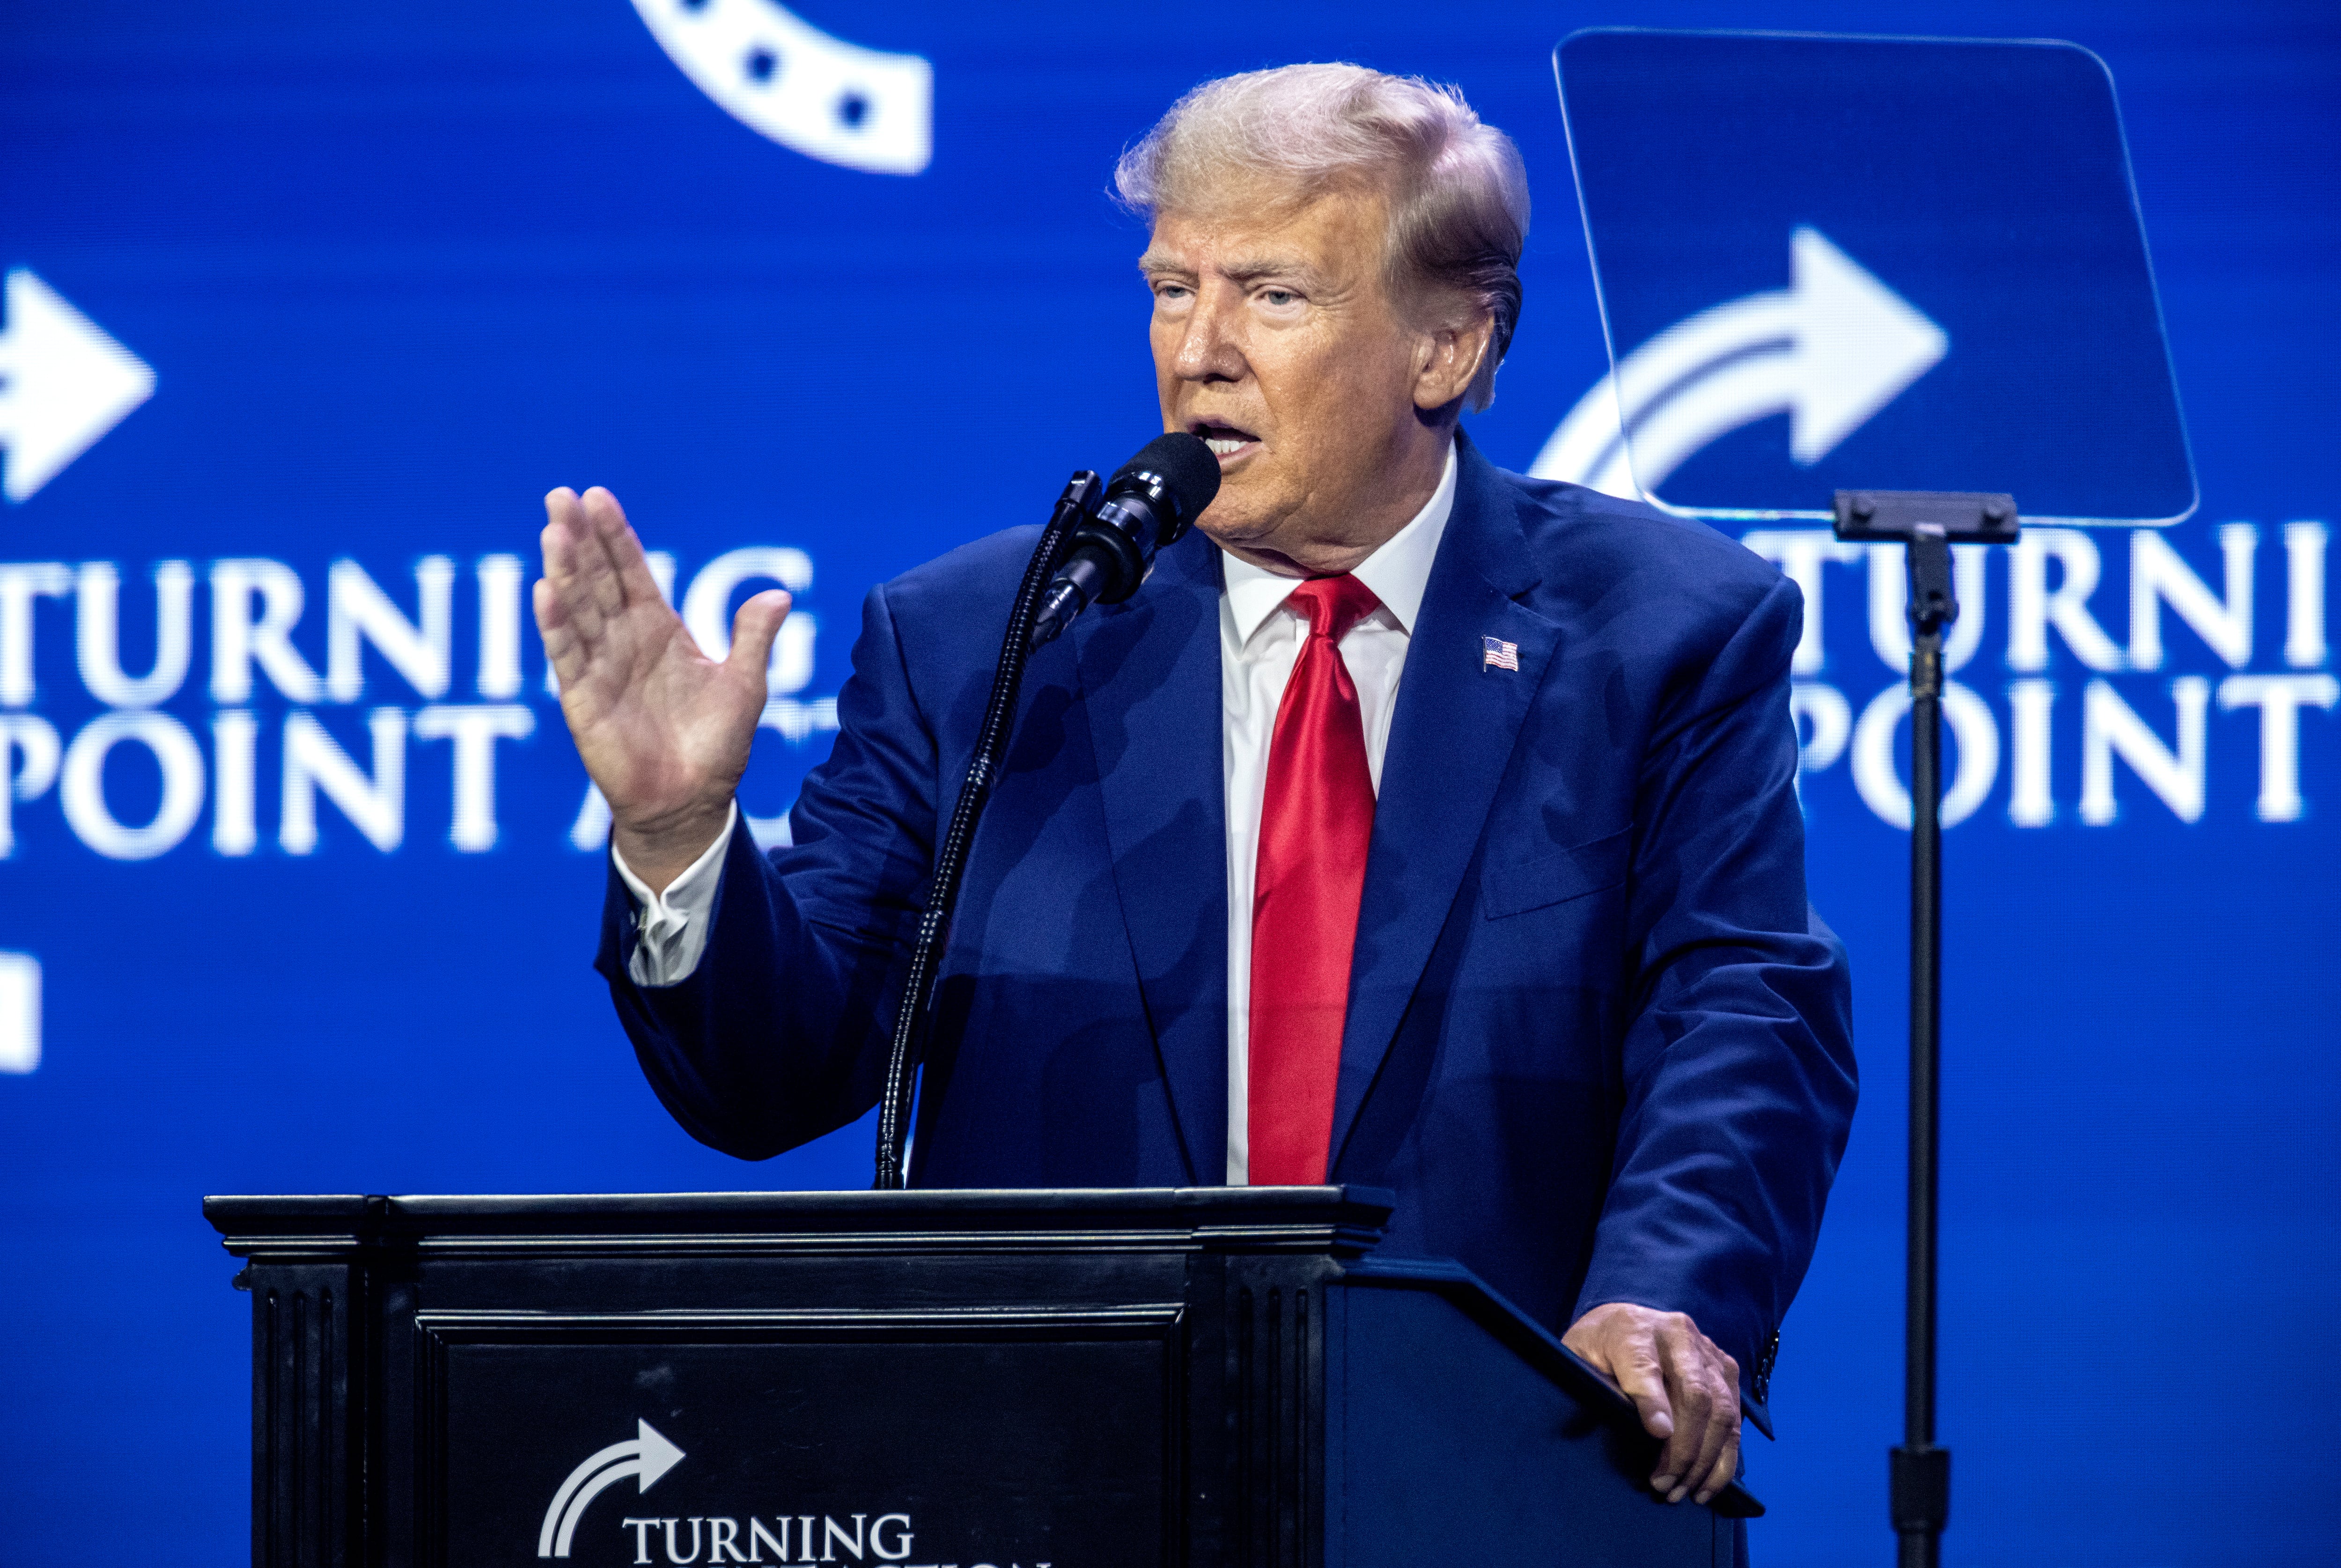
point(664, 730)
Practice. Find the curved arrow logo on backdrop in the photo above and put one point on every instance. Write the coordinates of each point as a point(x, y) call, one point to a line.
point(645, 1456)
point(780, 76)
point(1829, 351)
point(63, 384)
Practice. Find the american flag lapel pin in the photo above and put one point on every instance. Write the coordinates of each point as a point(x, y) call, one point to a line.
point(1498, 654)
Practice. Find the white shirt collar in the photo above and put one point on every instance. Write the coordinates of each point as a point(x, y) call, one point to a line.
point(1397, 571)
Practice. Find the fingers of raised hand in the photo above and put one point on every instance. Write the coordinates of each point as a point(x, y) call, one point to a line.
point(565, 524)
point(562, 644)
point(569, 556)
point(623, 549)
point(599, 554)
point(753, 629)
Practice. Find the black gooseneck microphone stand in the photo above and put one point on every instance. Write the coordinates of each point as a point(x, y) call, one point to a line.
point(1097, 549)
point(912, 1016)
point(1925, 522)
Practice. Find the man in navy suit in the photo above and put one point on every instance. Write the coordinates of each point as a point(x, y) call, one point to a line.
point(1414, 825)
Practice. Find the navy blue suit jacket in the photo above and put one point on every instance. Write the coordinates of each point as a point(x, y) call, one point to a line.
point(1596, 1044)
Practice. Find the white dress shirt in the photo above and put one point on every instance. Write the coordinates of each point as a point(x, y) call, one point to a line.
point(671, 928)
point(1260, 639)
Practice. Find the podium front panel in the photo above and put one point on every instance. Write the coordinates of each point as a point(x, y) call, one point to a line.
point(1027, 1438)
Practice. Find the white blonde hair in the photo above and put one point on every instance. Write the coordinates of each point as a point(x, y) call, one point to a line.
point(1458, 197)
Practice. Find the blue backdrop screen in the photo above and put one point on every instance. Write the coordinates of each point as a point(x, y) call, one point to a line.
point(306, 307)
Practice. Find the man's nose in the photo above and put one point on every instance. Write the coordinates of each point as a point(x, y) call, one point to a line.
point(1208, 350)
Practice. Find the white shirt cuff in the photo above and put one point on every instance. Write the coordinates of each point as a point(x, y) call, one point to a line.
point(671, 928)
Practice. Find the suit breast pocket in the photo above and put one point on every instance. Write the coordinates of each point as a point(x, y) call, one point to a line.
point(1555, 877)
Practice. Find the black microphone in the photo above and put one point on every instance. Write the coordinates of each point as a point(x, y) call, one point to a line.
point(1152, 501)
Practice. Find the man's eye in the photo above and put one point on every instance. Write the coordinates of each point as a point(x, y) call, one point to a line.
point(1278, 297)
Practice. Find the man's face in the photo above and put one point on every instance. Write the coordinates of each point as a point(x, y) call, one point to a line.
point(1276, 341)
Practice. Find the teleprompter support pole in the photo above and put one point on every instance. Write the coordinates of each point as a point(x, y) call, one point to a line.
point(1921, 1473)
point(1925, 522)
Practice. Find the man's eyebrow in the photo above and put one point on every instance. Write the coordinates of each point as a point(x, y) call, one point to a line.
point(1251, 270)
point(1257, 268)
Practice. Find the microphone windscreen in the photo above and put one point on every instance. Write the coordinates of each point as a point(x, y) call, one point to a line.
point(1186, 466)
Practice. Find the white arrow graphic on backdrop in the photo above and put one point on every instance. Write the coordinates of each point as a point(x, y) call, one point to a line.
point(1829, 351)
point(777, 73)
point(646, 1457)
point(63, 384)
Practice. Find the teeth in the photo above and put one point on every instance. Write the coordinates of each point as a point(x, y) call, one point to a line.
point(1222, 445)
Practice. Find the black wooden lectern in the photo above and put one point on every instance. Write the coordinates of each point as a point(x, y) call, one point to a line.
point(1021, 1379)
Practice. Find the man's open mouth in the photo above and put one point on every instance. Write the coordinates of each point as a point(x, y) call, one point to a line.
point(1224, 439)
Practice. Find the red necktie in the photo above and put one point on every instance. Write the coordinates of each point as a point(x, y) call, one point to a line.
point(1316, 821)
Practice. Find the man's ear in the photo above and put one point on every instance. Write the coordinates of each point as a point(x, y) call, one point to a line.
point(1451, 361)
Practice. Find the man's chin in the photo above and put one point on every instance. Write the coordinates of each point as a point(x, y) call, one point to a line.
point(1251, 543)
point(1232, 524)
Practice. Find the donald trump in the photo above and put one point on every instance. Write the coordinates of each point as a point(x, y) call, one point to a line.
point(1416, 824)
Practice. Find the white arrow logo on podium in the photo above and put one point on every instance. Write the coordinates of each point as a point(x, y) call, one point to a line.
point(645, 1456)
point(63, 384)
point(1829, 351)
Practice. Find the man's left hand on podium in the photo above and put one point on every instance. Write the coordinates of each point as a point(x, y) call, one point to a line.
point(1686, 1388)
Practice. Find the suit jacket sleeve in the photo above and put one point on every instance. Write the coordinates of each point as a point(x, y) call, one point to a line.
point(1736, 1068)
point(778, 1037)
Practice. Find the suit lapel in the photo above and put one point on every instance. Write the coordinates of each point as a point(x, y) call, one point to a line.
point(1450, 741)
point(1150, 676)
